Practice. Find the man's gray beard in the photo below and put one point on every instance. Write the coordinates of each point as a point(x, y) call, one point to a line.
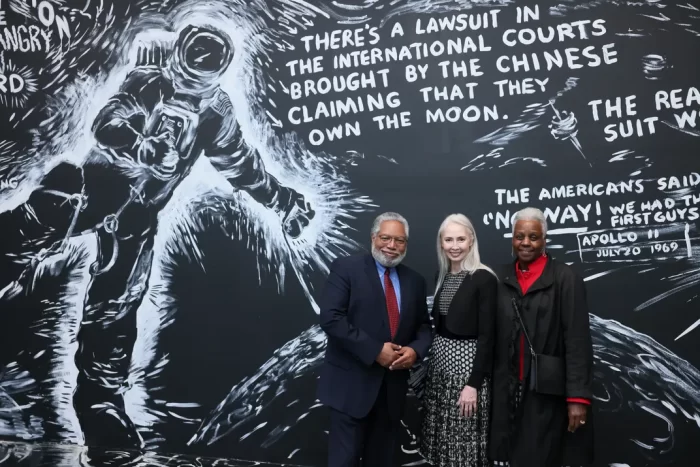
point(385, 260)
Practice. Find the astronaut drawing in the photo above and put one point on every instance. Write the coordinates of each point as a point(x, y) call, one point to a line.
point(169, 112)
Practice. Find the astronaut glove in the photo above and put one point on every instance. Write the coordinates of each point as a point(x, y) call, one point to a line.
point(296, 214)
point(158, 154)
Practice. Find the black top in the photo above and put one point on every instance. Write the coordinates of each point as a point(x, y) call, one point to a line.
point(471, 315)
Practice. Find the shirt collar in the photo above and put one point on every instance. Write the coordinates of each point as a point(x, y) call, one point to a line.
point(534, 269)
point(381, 268)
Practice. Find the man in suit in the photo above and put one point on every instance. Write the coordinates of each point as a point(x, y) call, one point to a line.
point(374, 312)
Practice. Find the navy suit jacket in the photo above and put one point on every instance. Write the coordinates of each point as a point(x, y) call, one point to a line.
point(354, 317)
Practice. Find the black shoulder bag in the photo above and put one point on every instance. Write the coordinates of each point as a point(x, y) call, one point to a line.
point(547, 373)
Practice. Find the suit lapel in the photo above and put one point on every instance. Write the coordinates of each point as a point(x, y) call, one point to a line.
point(405, 297)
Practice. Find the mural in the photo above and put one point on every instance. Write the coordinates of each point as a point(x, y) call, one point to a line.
point(176, 177)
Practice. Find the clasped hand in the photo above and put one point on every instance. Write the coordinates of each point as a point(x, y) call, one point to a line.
point(395, 357)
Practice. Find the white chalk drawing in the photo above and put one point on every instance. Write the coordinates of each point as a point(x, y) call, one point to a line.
point(564, 126)
point(653, 65)
point(22, 454)
point(481, 162)
point(561, 127)
point(630, 155)
point(161, 123)
point(174, 126)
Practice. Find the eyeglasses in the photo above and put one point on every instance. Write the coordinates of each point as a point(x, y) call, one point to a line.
point(401, 241)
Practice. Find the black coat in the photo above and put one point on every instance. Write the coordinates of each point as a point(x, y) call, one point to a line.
point(555, 312)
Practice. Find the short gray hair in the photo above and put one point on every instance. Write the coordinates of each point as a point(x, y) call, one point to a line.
point(531, 214)
point(388, 216)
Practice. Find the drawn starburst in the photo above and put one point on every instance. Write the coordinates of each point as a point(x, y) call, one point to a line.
point(27, 81)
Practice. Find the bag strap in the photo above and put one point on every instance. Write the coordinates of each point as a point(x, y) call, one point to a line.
point(522, 323)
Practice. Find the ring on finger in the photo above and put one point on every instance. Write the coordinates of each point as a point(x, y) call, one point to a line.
point(582, 422)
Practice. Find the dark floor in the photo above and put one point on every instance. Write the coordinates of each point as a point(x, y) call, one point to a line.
point(57, 455)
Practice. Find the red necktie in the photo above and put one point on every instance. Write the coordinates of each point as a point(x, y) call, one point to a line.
point(392, 306)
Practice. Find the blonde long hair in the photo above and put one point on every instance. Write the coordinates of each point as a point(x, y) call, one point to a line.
point(471, 262)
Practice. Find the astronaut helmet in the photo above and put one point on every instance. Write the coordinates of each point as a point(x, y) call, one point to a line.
point(202, 55)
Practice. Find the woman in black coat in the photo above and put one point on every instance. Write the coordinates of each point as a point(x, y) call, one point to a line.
point(541, 406)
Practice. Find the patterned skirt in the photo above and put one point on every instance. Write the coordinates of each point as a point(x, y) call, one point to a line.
point(447, 438)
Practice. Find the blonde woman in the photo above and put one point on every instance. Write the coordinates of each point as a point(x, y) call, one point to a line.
point(456, 404)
